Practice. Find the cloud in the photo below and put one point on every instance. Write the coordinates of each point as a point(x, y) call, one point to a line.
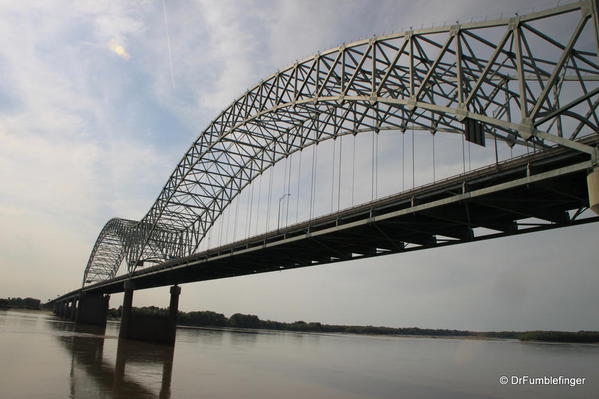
point(231, 50)
point(67, 157)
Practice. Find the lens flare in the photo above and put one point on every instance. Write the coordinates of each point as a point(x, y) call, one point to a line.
point(118, 49)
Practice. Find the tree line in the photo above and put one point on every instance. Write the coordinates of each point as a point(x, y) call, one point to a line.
point(20, 303)
point(239, 320)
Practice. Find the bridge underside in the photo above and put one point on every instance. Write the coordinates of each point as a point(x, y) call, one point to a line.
point(543, 191)
point(527, 80)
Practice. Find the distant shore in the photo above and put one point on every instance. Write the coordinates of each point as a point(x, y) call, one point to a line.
point(265, 330)
point(20, 303)
point(208, 319)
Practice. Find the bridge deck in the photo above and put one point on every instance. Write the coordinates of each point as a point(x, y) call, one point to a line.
point(542, 191)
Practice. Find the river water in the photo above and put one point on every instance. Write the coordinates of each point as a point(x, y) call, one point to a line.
point(45, 357)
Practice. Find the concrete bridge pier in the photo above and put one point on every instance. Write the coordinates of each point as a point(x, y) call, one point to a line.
point(74, 309)
point(173, 311)
point(129, 286)
point(68, 309)
point(62, 309)
point(92, 309)
point(149, 327)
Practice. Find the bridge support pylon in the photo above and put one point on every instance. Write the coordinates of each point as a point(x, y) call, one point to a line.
point(74, 309)
point(173, 311)
point(129, 286)
point(68, 311)
point(159, 328)
point(57, 308)
point(93, 309)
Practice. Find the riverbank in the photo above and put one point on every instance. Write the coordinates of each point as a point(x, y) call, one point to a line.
point(207, 319)
point(20, 303)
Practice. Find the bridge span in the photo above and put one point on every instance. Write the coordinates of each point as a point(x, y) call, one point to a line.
point(528, 82)
point(546, 190)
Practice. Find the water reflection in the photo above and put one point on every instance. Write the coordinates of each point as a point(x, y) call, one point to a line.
point(144, 353)
point(96, 375)
point(194, 335)
point(244, 338)
point(55, 359)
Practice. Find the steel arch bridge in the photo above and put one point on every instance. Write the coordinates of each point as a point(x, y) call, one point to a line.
point(526, 80)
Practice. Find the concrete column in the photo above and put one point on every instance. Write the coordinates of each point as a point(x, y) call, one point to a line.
point(67, 309)
point(129, 286)
point(93, 309)
point(173, 311)
point(74, 309)
point(159, 328)
point(106, 304)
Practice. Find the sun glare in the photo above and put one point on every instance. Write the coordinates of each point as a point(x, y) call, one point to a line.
point(118, 50)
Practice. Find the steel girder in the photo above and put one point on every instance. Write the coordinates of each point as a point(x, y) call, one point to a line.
point(110, 248)
point(515, 77)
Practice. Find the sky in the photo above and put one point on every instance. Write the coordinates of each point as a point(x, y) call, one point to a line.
point(100, 100)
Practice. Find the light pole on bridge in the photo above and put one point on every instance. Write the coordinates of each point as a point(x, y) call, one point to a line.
point(279, 211)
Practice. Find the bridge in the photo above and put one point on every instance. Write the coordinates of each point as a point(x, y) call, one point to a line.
point(526, 83)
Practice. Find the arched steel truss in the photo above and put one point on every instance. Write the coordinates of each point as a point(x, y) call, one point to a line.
point(513, 77)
